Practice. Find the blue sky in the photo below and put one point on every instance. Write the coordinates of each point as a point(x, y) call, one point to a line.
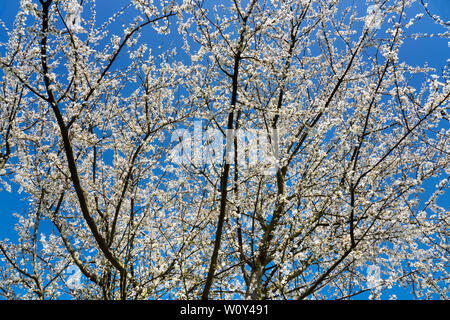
point(434, 52)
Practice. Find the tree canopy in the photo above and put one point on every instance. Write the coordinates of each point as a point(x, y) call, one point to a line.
point(220, 150)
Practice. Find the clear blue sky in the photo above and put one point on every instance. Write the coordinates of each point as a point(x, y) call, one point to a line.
point(435, 52)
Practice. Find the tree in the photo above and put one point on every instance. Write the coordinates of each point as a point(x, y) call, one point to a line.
point(348, 136)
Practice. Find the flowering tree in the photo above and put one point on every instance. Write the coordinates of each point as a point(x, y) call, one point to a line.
point(348, 136)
